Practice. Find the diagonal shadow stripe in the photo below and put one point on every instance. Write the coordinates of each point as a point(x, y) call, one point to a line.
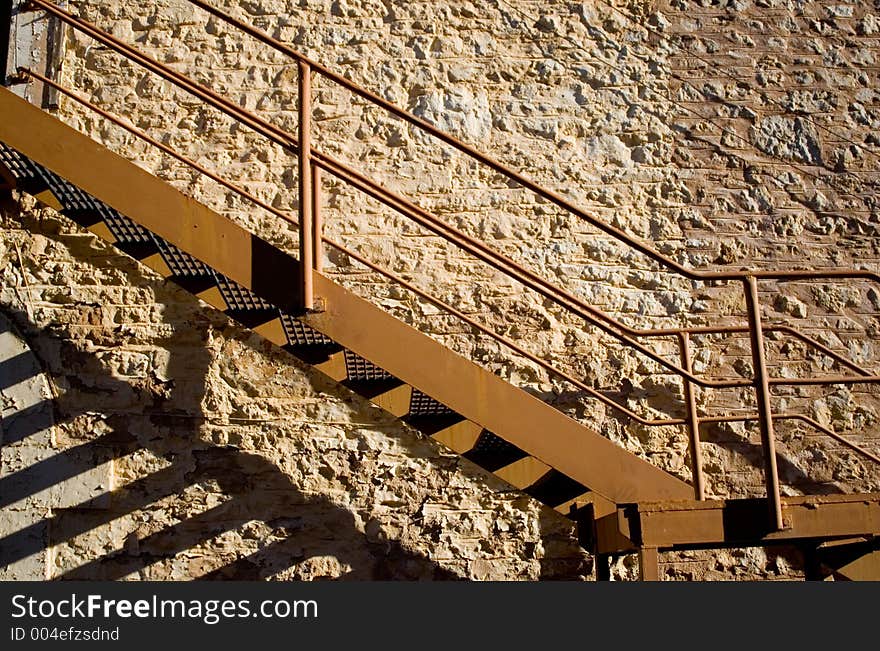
point(25, 423)
point(159, 546)
point(134, 496)
point(268, 560)
point(58, 468)
point(17, 368)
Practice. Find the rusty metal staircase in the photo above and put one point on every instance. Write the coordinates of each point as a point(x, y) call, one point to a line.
point(622, 503)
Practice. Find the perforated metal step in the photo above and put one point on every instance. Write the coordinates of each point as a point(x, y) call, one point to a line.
point(83, 207)
point(238, 298)
point(71, 198)
point(492, 452)
point(22, 168)
point(181, 263)
point(421, 405)
point(299, 334)
point(362, 370)
point(125, 230)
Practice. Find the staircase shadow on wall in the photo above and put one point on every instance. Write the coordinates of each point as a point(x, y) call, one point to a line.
point(254, 488)
point(306, 525)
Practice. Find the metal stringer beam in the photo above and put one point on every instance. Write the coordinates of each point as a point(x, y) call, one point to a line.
point(152, 203)
point(484, 398)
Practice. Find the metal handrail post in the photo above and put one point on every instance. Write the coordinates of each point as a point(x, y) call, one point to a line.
point(306, 225)
point(693, 420)
point(317, 220)
point(762, 391)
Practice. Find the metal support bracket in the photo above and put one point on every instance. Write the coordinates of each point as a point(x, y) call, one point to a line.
point(320, 305)
point(20, 76)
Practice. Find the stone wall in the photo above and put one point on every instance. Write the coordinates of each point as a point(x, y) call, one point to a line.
point(621, 108)
point(776, 116)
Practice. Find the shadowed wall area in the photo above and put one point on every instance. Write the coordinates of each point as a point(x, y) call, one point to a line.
point(184, 447)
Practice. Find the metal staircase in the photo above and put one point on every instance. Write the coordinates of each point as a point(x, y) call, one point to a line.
point(622, 503)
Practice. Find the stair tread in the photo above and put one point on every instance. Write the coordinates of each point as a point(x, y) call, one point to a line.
point(363, 370)
point(240, 298)
point(181, 263)
point(493, 452)
point(299, 334)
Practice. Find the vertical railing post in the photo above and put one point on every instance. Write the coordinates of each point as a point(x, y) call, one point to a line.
point(649, 564)
point(762, 391)
point(306, 226)
point(317, 220)
point(693, 420)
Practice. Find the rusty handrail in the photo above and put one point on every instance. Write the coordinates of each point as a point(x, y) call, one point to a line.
point(401, 204)
point(442, 304)
point(693, 274)
point(477, 248)
point(352, 254)
point(311, 161)
point(307, 247)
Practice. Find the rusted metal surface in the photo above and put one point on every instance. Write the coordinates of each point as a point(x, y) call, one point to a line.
point(306, 225)
point(523, 473)
point(459, 437)
point(502, 263)
point(865, 567)
point(735, 523)
point(609, 532)
point(317, 219)
point(649, 564)
point(136, 193)
point(509, 343)
point(702, 329)
point(765, 408)
point(733, 329)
